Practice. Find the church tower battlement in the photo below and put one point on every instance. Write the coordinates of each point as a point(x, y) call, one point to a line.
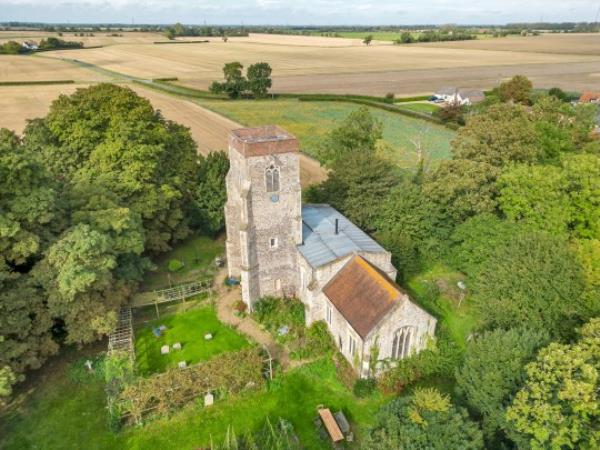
point(263, 212)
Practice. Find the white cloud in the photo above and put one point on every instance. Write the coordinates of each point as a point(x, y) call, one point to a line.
point(295, 12)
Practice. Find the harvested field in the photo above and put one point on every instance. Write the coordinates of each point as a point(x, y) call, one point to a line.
point(310, 121)
point(20, 103)
point(99, 38)
point(559, 43)
point(336, 65)
point(36, 68)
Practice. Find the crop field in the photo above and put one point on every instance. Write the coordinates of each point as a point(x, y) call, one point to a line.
point(321, 64)
point(37, 68)
point(20, 103)
point(571, 44)
point(310, 121)
point(98, 38)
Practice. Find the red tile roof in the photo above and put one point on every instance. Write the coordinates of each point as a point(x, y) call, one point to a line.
point(362, 294)
point(587, 97)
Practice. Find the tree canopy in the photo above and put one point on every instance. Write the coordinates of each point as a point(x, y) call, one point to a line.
point(86, 194)
point(427, 419)
point(558, 405)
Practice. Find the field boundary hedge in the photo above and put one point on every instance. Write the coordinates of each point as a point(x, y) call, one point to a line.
point(181, 42)
point(386, 107)
point(31, 83)
point(166, 86)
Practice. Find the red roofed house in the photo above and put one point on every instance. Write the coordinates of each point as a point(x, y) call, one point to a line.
point(278, 247)
point(590, 97)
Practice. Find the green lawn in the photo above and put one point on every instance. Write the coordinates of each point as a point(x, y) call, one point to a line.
point(197, 253)
point(187, 328)
point(63, 414)
point(419, 107)
point(310, 121)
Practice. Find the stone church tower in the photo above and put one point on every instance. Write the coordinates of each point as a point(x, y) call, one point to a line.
point(263, 212)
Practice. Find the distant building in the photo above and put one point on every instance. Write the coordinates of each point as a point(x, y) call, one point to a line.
point(590, 97)
point(29, 45)
point(452, 95)
point(279, 247)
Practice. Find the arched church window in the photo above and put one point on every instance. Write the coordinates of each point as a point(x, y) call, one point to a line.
point(401, 343)
point(272, 178)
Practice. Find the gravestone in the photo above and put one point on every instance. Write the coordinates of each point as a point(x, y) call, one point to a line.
point(164, 350)
point(209, 399)
point(177, 346)
point(182, 364)
point(208, 336)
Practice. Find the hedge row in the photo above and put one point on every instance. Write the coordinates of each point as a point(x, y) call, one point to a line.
point(163, 393)
point(180, 42)
point(157, 80)
point(387, 107)
point(29, 83)
point(180, 90)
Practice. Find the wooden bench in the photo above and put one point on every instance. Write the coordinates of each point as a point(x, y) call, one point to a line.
point(331, 425)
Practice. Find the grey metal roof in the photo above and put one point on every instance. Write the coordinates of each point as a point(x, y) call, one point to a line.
point(320, 244)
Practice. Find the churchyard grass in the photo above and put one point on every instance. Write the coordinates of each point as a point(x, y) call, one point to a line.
point(189, 329)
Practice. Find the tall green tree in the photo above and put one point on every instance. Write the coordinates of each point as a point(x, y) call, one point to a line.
point(235, 83)
point(462, 188)
point(356, 185)
point(358, 132)
point(492, 372)
point(518, 89)
point(497, 136)
point(108, 136)
point(534, 280)
point(30, 209)
point(211, 194)
point(425, 420)
point(559, 405)
point(536, 196)
point(82, 289)
point(259, 79)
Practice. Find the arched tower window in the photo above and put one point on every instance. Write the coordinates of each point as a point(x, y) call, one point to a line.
point(401, 343)
point(272, 178)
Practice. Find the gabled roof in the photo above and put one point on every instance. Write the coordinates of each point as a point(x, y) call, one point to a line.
point(474, 95)
point(362, 294)
point(321, 245)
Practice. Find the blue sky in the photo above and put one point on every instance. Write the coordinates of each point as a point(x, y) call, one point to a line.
point(287, 12)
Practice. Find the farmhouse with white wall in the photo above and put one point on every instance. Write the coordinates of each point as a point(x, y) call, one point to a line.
point(278, 247)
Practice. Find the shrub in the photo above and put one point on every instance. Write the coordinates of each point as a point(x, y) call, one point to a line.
point(276, 312)
point(79, 373)
point(389, 97)
point(364, 387)
point(175, 265)
point(311, 342)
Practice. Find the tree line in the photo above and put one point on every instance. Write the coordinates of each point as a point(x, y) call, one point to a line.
point(517, 210)
point(87, 194)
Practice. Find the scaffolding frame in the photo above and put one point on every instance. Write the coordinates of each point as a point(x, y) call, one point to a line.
point(122, 337)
